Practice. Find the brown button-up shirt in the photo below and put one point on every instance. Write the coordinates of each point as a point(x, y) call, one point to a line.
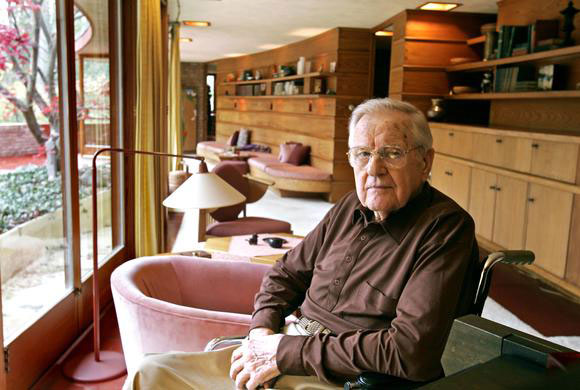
point(388, 290)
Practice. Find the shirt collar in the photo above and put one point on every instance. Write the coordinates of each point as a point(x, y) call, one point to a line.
point(399, 222)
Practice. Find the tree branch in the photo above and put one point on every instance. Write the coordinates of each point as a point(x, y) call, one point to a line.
point(13, 99)
point(34, 63)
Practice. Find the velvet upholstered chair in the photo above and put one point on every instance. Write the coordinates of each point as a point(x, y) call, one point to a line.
point(228, 222)
point(178, 303)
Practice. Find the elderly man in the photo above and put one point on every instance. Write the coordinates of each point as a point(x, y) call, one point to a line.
point(378, 281)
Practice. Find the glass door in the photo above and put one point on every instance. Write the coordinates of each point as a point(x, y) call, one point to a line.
point(58, 81)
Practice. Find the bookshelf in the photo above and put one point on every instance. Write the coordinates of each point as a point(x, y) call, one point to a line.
point(516, 95)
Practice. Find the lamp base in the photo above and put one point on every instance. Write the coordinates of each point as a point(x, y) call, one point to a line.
point(84, 368)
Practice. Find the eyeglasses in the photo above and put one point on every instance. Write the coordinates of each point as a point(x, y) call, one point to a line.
point(392, 156)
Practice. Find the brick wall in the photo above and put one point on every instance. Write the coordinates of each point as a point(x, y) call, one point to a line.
point(16, 140)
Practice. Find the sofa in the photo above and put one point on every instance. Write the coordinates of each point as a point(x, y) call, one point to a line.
point(288, 179)
point(179, 303)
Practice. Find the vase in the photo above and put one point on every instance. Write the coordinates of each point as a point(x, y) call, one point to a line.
point(437, 110)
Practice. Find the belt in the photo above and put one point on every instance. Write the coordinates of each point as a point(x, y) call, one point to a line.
point(313, 327)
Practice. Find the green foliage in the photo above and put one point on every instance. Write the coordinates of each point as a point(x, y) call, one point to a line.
point(26, 193)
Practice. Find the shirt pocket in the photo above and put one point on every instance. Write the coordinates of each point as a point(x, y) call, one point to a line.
point(375, 302)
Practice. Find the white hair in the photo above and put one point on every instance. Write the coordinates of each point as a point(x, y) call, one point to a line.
point(420, 129)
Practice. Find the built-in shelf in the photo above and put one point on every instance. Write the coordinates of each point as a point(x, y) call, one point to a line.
point(476, 40)
point(516, 95)
point(285, 78)
point(278, 96)
point(548, 55)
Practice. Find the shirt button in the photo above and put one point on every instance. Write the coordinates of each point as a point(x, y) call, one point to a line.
point(363, 237)
point(348, 259)
point(336, 282)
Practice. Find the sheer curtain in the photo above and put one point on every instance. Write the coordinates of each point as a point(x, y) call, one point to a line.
point(149, 183)
point(174, 135)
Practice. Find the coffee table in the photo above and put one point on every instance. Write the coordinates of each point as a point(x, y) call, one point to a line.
point(237, 248)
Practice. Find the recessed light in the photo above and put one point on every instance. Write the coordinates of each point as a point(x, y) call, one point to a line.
point(234, 54)
point(185, 39)
point(383, 33)
point(438, 6)
point(196, 23)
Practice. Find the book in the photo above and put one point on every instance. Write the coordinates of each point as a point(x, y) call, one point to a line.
point(511, 37)
point(551, 41)
point(543, 29)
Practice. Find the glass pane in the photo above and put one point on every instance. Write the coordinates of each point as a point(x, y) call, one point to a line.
point(32, 243)
point(94, 130)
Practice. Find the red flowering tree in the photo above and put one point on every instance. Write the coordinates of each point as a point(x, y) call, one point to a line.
point(28, 63)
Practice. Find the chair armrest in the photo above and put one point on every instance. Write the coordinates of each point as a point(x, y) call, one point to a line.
point(257, 187)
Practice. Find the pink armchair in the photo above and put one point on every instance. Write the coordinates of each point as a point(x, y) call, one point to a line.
point(178, 303)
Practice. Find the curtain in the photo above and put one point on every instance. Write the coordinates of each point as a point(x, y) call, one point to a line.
point(174, 140)
point(149, 125)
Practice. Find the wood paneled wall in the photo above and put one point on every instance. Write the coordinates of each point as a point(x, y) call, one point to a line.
point(320, 121)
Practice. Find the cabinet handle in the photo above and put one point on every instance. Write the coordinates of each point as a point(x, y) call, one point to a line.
point(271, 106)
point(498, 141)
point(235, 104)
point(492, 187)
point(498, 189)
point(535, 145)
point(531, 200)
point(449, 173)
point(451, 134)
point(310, 106)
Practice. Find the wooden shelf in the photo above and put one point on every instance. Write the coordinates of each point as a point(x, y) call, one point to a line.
point(278, 96)
point(548, 55)
point(285, 78)
point(516, 95)
point(476, 40)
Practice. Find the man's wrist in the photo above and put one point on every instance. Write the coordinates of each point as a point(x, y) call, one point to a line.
point(260, 331)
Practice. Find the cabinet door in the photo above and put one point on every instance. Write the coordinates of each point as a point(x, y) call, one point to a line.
point(452, 142)
point(556, 160)
point(458, 178)
point(501, 151)
point(548, 227)
point(510, 212)
point(438, 176)
point(482, 201)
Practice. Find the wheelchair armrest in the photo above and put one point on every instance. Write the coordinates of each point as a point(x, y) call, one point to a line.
point(376, 381)
point(223, 342)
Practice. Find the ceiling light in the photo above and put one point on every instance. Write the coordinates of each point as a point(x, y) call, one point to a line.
point(185, 39)
point(234, 54)
point(438, 6)
point(196, 23)
point(383, 33)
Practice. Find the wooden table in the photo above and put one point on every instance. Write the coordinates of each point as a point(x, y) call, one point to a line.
point(222, 245)
point(233, 156)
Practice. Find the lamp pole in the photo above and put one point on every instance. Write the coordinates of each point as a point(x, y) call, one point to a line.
point(105, 365)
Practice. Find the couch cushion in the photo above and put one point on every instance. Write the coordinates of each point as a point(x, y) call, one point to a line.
point(263, 161)
point(212, 146)
point(302, 172)
point(248, 225)
point(233, 140)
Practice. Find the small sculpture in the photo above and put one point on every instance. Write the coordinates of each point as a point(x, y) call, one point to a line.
point(253, 240)
point(568, 25)
point(486, 83)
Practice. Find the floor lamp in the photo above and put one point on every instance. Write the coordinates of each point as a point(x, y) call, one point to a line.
point(203, 190)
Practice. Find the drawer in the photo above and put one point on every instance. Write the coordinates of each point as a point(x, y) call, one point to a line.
point(452, 179)
point(555, 160)
point(452, 142)
point(501, 151)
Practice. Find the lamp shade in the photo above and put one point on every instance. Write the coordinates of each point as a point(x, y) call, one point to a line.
point(203, 191)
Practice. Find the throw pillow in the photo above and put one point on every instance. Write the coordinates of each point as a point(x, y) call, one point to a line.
point(233, 140)
point(243, 138)
point(294, 153)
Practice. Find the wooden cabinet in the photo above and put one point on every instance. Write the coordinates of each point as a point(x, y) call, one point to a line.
point(452, 178)
point(452, 142)
point(523, 188)
point(556, 160)
point(548, 226)
point(502, 151)
point(498, 205)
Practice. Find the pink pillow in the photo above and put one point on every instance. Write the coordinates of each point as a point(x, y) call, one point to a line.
point(233, 140)
point(294, 153)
